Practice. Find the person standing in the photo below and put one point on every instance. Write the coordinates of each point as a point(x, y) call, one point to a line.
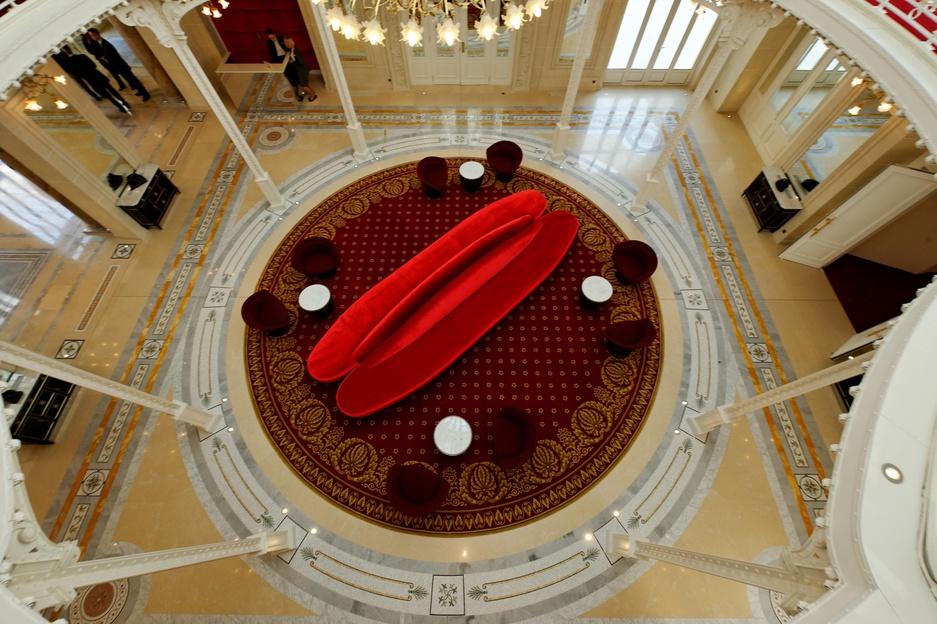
point(297, 72)
point(62, 59)
point(115, 63)
point(85, 69)
point(275, 46)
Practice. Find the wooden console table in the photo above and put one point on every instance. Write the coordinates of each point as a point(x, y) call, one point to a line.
point(148, 203)
point(772, 208)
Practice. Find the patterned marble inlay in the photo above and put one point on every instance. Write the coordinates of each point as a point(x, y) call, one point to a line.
point(448, 596)
point(69, 349)
point(96, 299)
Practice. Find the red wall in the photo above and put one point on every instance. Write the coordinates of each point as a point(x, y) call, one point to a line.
point(243, 28)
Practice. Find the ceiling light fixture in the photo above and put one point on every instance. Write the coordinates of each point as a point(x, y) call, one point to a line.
point(213, 9)
point(37, 84)
point(343, 17)
point(892, 473)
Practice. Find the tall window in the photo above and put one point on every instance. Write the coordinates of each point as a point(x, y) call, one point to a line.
point(659, 41)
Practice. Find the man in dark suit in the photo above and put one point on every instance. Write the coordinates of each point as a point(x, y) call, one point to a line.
point(62, 59)
point(111, 59)
point(85, 69)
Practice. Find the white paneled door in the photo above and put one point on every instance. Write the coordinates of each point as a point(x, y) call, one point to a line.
point(469, 61)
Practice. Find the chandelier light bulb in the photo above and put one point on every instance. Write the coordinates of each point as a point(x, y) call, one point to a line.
point(351, 29)
point(61, 104)
point(215, 13)
point(513, 16)
point(536, 7)
point(206, 10)
point(374, 33)
point(486, 27)
point(885, 106)
point(855, 110)
point(412, 33)
point(224, 3)
point(335, 17)
point(60, 79)
point(33, 105)
point(448, 32)
point(857, 81)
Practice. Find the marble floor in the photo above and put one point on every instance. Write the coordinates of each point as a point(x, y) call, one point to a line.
point(161, 314)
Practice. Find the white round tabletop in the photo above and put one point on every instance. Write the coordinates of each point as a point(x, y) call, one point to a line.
point(597, 289)
point(314, 298)
point(452, 435)
point(471, 170)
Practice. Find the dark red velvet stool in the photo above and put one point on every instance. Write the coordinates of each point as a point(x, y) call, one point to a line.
point(315, 256)
point(504, 157)
point(264, 311)
point(634, 260)
point(625, 336)
point(415, 490)
point(434, 174)
point(515, 437)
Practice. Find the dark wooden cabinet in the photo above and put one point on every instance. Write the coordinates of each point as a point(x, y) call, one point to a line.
point(148, 203)
point(41, 410)
point(772, 208)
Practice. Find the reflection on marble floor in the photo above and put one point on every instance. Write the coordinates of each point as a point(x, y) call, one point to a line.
point(171, 306)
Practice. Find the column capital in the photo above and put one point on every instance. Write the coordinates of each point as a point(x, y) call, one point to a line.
point(163, 18)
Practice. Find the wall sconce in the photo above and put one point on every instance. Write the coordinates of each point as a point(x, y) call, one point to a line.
point(874, 93)
point(37, 84)
point(211, 10)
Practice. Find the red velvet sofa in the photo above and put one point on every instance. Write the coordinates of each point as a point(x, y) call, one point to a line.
point(412, 325)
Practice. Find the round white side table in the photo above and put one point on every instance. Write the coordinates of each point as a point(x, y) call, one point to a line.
point(315, 298)
point(596, 289)
point(452, 435)
point(471, 174)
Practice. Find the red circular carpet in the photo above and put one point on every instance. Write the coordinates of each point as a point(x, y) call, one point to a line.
point(547, 357)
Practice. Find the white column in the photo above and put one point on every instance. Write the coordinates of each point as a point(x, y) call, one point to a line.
point(163, 20)
point(557, 148)
point(359, 144)
point(704, 423)
point(52, 583)
point(798, 582)
point(739, 21)
point(17, 356)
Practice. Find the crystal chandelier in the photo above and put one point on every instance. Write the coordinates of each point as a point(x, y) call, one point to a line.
point(211, 9)
point(342, 18)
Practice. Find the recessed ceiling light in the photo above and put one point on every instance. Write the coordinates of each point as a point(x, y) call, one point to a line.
point(892, 473)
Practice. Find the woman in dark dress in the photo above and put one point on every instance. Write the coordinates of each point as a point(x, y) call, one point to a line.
point(297, 72)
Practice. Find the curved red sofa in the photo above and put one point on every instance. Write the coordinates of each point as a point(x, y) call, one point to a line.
point(412, 325)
